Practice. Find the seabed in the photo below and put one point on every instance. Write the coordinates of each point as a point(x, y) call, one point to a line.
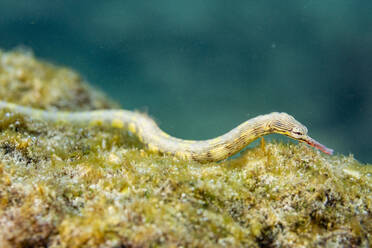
point(73, 186)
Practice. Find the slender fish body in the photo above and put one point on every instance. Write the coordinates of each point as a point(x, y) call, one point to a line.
point(156, 140)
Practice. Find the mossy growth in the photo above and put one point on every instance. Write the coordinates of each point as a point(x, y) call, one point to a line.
point(74, 186)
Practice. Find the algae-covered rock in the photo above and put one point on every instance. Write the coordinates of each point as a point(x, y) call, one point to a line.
point(28, 81)
point(74, 186)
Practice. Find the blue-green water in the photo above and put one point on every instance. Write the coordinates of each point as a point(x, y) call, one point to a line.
point(202, 67)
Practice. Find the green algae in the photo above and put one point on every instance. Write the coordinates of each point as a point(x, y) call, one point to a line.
point(74, 186)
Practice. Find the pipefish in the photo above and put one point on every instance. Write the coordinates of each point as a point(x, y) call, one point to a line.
point(156, 140)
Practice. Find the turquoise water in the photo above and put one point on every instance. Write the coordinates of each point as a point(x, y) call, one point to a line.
point(202, 67)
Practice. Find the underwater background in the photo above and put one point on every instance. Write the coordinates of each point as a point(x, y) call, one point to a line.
point(202, 67)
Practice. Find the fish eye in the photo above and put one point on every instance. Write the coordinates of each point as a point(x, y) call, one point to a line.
point(297, 131)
